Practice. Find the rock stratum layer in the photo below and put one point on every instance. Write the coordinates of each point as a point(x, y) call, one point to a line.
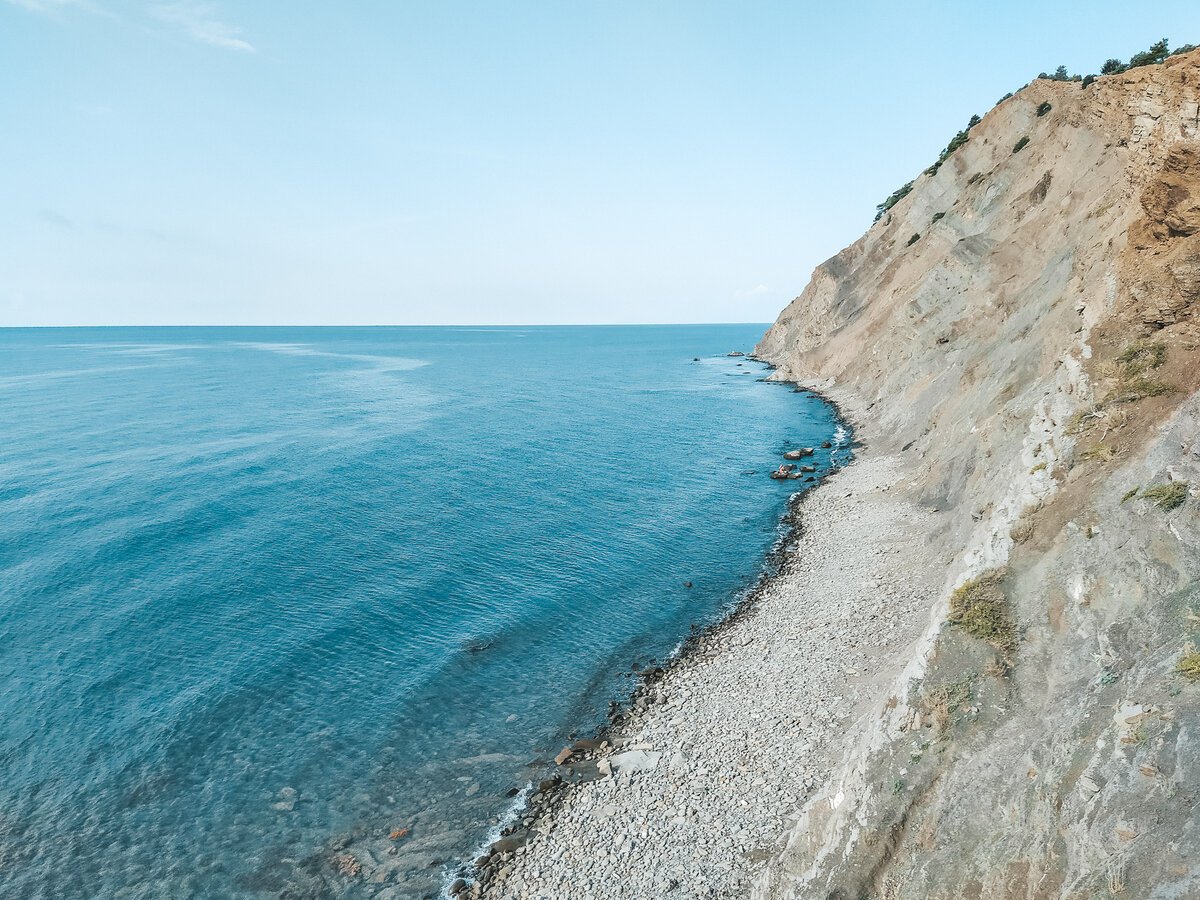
point(1032, 360)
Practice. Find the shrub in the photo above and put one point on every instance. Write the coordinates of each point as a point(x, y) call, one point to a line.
point(1130, 494)
point(1167, 496)
point(955, 142)
point(1156, 54)
point(895, 197)
point(1186, 48)
point(1022, 529)
point(912, 240)
point(937, 217)
point(1089, 80)
point(1142, 355)
point(1043, 108)
point(1005, 97)
point(1020, 145)
point(1133, 364)
point(1113, 67)
point(979, 607)
point(944, 701)
point(1189, 664)
point(1101, 453)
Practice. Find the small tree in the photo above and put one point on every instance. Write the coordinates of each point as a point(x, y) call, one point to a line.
point(975, 120)
point(1060, 74)
point(1156, 54)
point(1112, 67)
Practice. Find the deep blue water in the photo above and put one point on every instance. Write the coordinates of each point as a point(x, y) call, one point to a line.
point(374, 567)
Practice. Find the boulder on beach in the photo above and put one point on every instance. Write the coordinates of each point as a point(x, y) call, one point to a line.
point(635, 761)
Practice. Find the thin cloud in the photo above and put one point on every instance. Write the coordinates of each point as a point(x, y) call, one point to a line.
point(755, 291)
point(52, 8)
point(200, 21)
point(55, 218)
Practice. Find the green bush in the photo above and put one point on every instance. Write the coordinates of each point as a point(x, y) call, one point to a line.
point(1189, 663)
point(912, 240)
point(1089, 80)
point(1156, 54)
point(955, 142)
point(1186, 48)
point(980, 608)
point(937, 217)
point(1113, 67)
point(1043, 108)
point(895, 197)
point(1020, 145)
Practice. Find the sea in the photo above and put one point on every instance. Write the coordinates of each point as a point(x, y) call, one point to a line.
point(267, 591)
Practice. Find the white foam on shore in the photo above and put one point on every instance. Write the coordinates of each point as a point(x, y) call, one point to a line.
point(518, 806)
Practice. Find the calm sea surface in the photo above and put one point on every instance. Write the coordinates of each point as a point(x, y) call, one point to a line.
point(263, 587)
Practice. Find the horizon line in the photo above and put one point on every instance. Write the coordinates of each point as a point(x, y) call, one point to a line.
point(403, 325)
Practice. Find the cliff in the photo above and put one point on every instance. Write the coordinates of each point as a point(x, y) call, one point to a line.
point(1021, 329)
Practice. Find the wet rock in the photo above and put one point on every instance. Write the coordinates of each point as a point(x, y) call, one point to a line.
point(799, 453)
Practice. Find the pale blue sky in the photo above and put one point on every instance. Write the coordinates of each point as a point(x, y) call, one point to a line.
point(443, 162)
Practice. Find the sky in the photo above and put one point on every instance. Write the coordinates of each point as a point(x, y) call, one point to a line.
point(400, 162)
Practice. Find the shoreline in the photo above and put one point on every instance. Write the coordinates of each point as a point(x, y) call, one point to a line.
point(755, 696)
point(537, 801)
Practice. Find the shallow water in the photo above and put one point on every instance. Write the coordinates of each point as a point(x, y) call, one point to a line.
point(262, 586)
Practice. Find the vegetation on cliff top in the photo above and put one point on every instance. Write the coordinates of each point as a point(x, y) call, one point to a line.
point(1156, 53)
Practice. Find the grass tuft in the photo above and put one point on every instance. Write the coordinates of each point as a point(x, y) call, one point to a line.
point(1167, 496)
point(1131, 493)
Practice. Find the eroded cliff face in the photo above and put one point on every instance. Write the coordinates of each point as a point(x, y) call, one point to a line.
point(1032, 355)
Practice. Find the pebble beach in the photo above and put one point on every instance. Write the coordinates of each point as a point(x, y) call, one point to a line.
point(694, 787)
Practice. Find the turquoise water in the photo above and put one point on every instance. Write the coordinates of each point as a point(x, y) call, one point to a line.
point(260, 588)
